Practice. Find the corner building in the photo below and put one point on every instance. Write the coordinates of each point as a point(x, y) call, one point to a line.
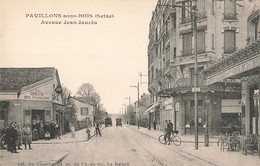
point(220, 32)
point(30, 95)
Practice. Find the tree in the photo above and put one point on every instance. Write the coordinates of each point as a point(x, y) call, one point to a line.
point(70, 109)
point(88, 91)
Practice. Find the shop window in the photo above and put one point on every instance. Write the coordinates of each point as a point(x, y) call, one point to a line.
point(84, 111)
point(229, 41)
point(187, 44)
point(48, 112)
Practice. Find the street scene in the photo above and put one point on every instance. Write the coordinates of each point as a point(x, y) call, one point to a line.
point(130, 83)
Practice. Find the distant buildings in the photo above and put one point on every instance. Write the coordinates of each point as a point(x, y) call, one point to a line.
point(223, 29)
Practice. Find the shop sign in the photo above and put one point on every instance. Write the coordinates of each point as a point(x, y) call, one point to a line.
point(17, 104)
point(251, 64)
point(36, 95)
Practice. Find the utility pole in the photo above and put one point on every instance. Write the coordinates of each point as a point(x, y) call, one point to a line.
point(137, 116)
point(193, 14)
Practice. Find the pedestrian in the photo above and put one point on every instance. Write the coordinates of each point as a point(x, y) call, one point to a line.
point(149, 125)
point(13, 137)
point(154, 124)
point(19, 137)
point(72, 128)
point(57, 131)
point(88, 132)
point(35, 136)
point(8, 137)
point(27, 136)
point(46, 128)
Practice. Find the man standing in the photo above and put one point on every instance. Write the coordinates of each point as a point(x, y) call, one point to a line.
point(13, 138)
point(27, 136)
point(154, 124)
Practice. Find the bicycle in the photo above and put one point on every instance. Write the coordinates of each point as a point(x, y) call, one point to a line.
point(163, 139)
point(226, 138)
point(3, 141)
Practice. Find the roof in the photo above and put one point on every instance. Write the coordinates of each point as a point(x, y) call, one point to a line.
point(13, 79)
point(82, 99)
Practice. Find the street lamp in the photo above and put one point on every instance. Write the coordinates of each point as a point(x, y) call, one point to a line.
point(137, 116)
point(193, 14)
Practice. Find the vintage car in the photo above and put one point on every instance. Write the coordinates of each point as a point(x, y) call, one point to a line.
point(118, 122)
point(108, 122)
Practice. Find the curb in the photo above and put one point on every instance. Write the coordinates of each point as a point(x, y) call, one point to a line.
point(84, 140)
point(60, 159)
point(157, 138)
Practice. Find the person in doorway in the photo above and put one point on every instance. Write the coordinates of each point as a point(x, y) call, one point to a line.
point(154, 124)
point(41, 130)
point(27, 136)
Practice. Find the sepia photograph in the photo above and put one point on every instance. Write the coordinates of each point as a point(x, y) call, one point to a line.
point(129, 83)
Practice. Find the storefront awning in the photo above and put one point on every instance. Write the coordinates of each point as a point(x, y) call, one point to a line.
point(152, 108)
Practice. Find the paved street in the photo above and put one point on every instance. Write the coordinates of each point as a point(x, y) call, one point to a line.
point(122, 146)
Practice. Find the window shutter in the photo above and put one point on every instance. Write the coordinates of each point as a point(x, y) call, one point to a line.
point(229, 41)
point(201, 42)
point(187, 44)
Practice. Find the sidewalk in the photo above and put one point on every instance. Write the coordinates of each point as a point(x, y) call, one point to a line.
point(43, 152)
point(80, 136)
point(211, 154)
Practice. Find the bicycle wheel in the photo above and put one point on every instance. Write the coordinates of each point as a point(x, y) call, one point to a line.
point(176, 140)
point(162, 139)
point(3, 142)
point(219, 142)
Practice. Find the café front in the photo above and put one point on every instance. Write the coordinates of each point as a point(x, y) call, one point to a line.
point(34, 100)
point(243, 66)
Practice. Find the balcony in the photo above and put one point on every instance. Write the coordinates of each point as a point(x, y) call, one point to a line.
point(152, 43)
point(200, 16)
point(185, 20)
point(202, 57)
point(153, 85)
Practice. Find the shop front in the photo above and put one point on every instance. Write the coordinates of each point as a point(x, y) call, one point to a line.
point(243, 65)
point(32, 103)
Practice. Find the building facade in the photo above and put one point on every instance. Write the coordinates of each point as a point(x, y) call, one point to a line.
point(84, 112)
point(243, 65)
point(171, 58)
point(29, 96)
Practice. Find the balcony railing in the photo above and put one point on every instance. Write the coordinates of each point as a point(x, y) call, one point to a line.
point(200, 16)
point(185, 20)
point(230, 16)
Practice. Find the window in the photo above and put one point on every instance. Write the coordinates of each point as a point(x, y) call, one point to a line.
point(84, 111)
point(229, 41)
point(213, 6)
point(174, 52)
point(201, 9)
point(255, 26)
point(187, 44)
point(200, 42)
point(174, 21)
point(230, 9)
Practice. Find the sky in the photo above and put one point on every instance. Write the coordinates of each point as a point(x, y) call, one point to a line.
point(109, 54)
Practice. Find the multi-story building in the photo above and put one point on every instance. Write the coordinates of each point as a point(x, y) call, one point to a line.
point(171, 57)
point(244, 65)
